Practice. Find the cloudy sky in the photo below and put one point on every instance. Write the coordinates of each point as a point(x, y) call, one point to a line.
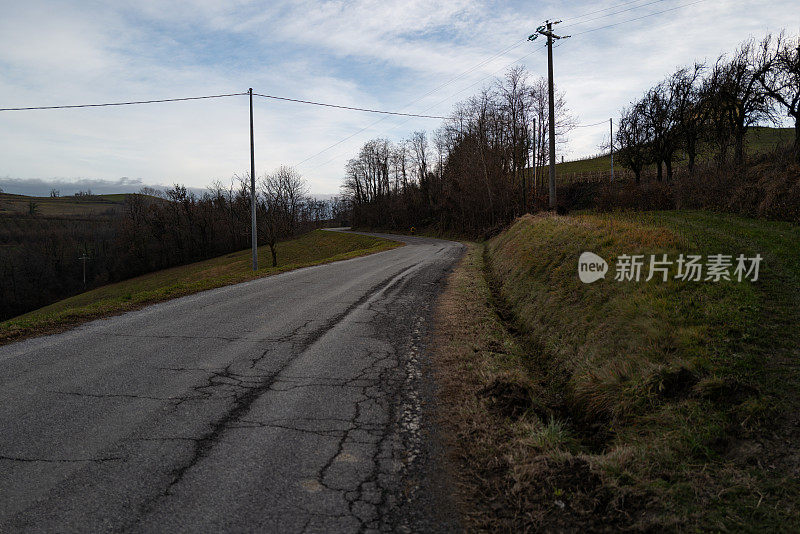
point(404, 55)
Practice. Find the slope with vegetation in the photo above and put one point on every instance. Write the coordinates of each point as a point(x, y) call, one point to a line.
point(623, 405)
point(86, 205)
point(704, 123)
point(759, 140)
point(43, 240)
point(310, 249)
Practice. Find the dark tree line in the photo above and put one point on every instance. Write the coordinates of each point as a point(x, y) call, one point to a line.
point(472, 174)
point(178, 227)
point(710, 108)
point(154, 230)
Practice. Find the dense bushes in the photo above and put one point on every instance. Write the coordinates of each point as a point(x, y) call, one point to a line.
point(767, 187)
point(39, 259)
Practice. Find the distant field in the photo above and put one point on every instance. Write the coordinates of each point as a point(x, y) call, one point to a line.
point(62, 206)
point(310, 249)
point(759, 139)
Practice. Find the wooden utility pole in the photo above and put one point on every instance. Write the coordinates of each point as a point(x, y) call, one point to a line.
point(253, 229)
point(547, 31)
point(535, 179)
point(83, 258)
point(552, 112)
point(525, 179)
point(611, 144)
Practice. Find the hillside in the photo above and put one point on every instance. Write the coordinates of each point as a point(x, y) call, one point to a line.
point(96, 205)
point(759, 140)
point(660, 405)
point(312, 248)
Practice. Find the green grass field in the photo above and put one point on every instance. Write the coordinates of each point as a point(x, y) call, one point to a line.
point(310, 249)
point(652, 405)
point(62, 206)
point(759, 139)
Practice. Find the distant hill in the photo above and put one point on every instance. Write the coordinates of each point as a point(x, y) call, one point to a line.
point(67, 206)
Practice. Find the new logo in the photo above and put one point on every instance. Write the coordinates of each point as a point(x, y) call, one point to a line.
point(591, 267)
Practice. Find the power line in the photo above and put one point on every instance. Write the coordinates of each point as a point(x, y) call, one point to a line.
point(476, 66)
point(638, 18)
point(123, 103)
point(106, 104)
point(488, 76)
point(587, 125)
point(349, 107)
point(438, 87)
point(405, 121)
point(578, 17)
point(570, 24)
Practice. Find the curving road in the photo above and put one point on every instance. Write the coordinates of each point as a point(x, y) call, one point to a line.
point(297, 402)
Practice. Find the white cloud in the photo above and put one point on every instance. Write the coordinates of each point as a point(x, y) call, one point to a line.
point(368, 53)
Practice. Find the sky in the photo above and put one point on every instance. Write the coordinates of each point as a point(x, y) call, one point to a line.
point(406, 55)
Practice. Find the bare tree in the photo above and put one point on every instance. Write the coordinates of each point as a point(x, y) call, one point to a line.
point(281, 196)
point(779, 74)
point(659, 116)
point(419, 151)
point(631, 140)
point(470, 175)
point(737, 95)
point(689, 111)
point(540, 111)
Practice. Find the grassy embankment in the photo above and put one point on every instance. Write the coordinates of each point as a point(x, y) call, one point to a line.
point(651, 405)
point(310, 249)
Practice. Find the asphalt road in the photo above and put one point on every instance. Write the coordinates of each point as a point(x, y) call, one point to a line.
point(297, 402)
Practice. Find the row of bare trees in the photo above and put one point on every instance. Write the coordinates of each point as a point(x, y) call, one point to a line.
point(177, 226)
point(472, 174)
point(708, 110)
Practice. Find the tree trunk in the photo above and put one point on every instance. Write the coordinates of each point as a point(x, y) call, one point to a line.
point(722, 154)
point(660, 172)
point(638, 175)
point(739, 149)
point(274, 254)
point(692, 155)
point(797, 138)
point(668, 163)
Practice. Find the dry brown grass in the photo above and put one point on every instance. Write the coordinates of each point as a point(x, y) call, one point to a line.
point(518, 470)
point(613, 406)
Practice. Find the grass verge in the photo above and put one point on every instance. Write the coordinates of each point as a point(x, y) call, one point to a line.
point(622, 405)
point(314, 248)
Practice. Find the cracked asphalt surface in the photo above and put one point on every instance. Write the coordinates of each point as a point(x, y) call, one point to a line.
point(298, 402)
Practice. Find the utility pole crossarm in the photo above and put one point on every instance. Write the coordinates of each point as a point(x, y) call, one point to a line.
point(547, 30)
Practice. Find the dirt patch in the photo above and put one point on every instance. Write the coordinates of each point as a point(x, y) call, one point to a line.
point(506, 399)
point(728, 392)
point(676, 384)
point(568, 496)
